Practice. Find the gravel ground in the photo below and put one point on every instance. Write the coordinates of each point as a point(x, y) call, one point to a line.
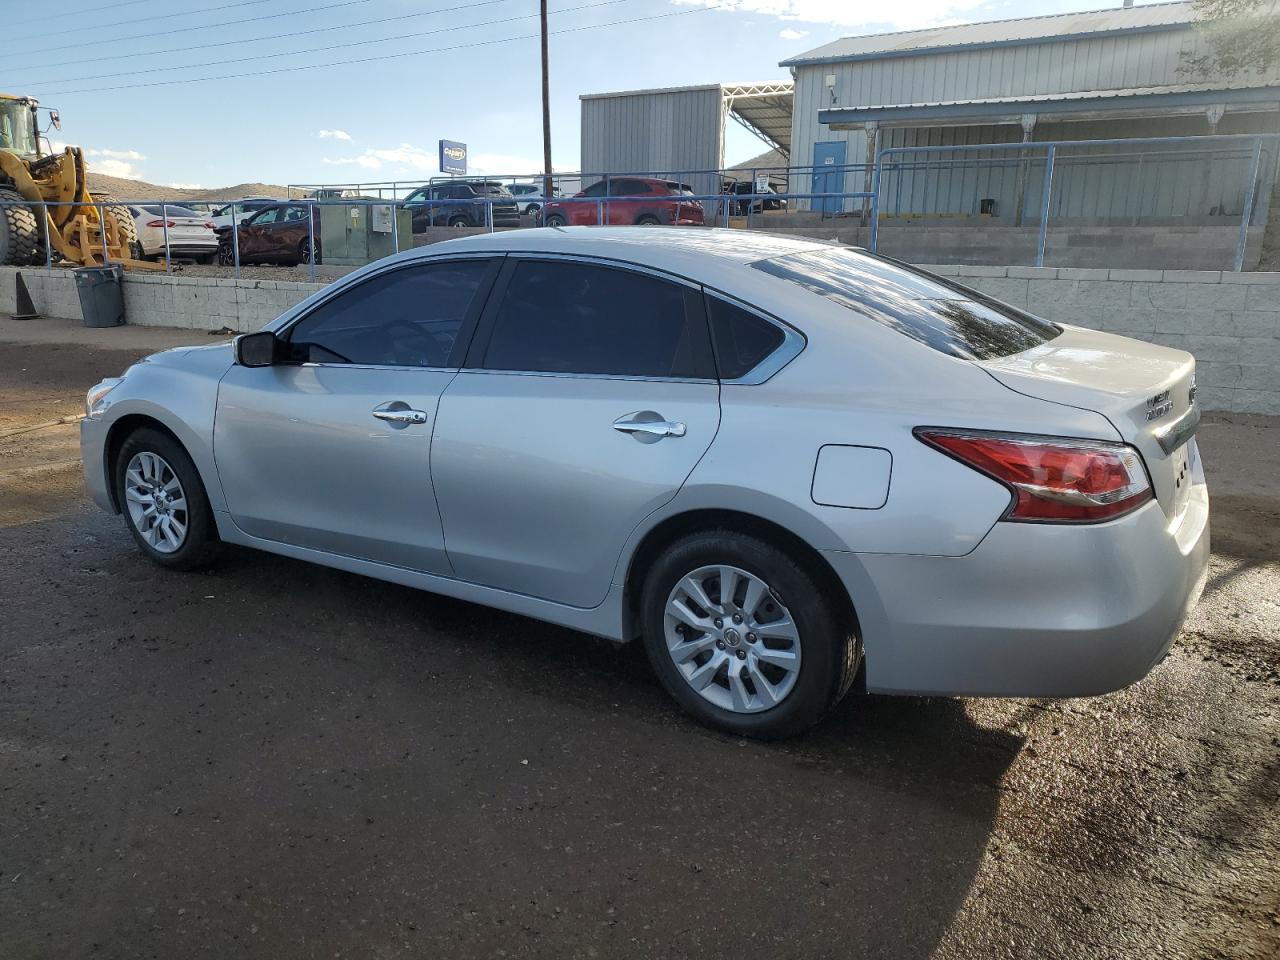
point(277, 760)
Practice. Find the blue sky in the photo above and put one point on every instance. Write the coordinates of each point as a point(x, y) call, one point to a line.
point(381, 119)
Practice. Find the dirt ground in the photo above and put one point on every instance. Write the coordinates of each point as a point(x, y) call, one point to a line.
point(276, 760)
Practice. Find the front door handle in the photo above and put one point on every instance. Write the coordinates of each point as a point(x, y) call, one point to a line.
point(648, 427)
point(397, 411)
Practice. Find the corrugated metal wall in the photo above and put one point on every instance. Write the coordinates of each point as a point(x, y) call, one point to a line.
point(659, 132)
point(1084, 190)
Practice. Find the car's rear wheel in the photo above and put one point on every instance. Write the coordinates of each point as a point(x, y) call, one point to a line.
point(459, 221)
point(163, 501)
point(742, 636)
point(556, 220)
point(305, 250)
point(646, 220)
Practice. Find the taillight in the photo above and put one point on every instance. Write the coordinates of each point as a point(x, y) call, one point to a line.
point(1052, 479)
point(211, 225)
point(160, 223)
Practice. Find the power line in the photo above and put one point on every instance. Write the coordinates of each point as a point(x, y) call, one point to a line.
point(294, 33)
point(386, 56)
point(349, 43)
point(162, 16)
point(165, 33)
point(283, 36)
point(84, 10)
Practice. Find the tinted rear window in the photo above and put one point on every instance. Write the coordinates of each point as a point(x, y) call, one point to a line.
point(946, 316)
point(171, 210)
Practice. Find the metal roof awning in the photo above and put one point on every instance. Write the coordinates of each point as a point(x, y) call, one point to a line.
point(764, 109)
point(1087, 105)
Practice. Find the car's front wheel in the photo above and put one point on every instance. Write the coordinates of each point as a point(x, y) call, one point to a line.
point(556, 220)
point(163, 501)
point(743, 637)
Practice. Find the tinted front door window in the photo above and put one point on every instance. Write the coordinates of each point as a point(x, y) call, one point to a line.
point(405, 318)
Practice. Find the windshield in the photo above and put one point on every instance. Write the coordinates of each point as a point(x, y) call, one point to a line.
point(946, 316)
point(17, 128)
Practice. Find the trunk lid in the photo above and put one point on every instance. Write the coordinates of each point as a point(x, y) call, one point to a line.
point(1146, 391)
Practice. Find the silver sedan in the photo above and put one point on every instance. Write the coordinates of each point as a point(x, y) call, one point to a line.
point(782, 465)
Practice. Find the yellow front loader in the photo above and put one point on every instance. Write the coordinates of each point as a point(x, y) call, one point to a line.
point(45, 197)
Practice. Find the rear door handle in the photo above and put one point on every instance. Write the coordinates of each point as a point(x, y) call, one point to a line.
point(648, 427)
point(397, 411)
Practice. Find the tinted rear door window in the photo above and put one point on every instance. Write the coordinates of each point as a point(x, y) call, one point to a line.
point(576, 318)
point(946, 316)
point(405, 318)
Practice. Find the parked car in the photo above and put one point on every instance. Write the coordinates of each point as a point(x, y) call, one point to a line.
point(244, 209)
point(644, 201)
point(528, 197)
point(275, 234)
point(746, 188)
point(461, 203)
point(190, 234)
point(769, 459)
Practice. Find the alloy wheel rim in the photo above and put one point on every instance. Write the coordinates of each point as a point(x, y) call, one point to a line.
point(732, 639)
point(156, 501)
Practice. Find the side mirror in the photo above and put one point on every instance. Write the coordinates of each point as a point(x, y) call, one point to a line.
point(256, 349)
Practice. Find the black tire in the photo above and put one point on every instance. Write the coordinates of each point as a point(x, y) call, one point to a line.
point(556, 220)
point(304, 251)
point(533, 209)
point(200, 544)
point(19, 233)
point(226, 255)
point(459, 221)
point(831, 650)
point(647, 220)
point(119, 213)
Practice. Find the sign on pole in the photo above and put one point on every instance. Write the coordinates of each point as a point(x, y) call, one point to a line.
point(453, 157)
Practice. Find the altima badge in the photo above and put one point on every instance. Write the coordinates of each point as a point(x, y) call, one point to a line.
point(1159, 405)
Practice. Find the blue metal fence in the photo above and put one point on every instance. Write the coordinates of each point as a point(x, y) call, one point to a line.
point(1150, 181)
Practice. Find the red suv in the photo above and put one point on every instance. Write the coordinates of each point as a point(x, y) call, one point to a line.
point(627, 200)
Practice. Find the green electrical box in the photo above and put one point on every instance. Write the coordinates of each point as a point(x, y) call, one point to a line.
point(353, 234)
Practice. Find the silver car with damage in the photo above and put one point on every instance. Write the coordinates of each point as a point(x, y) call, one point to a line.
point(783, 465)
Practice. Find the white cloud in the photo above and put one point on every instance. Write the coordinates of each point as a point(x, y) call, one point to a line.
point(334, 135)
point(116, 168)
point(902, 15)
point(117, 154)
point(789, 34)
point(408, 159)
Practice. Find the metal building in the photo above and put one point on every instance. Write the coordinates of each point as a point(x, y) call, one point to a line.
point(1079, 76)
point(676, 130)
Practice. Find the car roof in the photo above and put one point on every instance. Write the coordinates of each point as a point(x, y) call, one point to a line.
point(659, 247)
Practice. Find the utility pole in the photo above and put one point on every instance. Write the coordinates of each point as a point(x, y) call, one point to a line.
point(546, 111)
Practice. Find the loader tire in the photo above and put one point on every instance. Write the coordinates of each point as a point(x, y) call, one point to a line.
point(125, 227)
point(19, 232)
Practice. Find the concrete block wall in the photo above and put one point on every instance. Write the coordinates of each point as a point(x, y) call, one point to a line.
point(1229, 321)
point(160, 300)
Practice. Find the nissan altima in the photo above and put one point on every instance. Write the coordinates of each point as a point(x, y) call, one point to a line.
point(783, 466)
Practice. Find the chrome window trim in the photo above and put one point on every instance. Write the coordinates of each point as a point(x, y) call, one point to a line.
point(585, 376)
point(793, 342)
point(612, 263)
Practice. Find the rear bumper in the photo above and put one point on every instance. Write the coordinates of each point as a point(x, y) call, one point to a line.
point(1036, 610)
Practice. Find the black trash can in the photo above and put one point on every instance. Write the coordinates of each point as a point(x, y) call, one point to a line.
point(101, 295)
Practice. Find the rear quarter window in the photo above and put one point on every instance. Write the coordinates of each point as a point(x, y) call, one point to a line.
point(950, 318)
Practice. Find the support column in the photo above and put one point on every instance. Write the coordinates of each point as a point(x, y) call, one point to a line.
point(1213, 114)
point(872, 130)
point(1020, 188)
